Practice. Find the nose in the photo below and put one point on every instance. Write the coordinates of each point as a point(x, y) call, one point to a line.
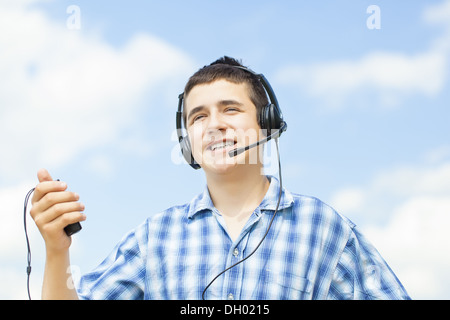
point(216, 123)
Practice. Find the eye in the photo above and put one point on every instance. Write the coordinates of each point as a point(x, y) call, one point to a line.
point(231, 109)
point(197, 118)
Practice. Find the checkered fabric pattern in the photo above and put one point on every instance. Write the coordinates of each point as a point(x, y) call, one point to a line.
point(310, 252)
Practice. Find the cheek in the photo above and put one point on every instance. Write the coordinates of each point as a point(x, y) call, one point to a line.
point(249, 132)
point(195, 134)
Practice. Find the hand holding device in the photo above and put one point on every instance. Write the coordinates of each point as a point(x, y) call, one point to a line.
point(55, 209)
point(50, 202)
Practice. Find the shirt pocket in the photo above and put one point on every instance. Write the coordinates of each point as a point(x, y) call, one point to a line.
point(293, 287)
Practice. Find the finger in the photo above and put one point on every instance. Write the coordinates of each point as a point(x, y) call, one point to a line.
point(58, 224)
point(46, 187)
point(44, 175)
point(57, 211)
point(52, 198)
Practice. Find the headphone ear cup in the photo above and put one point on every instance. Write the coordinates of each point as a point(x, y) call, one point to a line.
point(276, 118)
point(263, 118)
point(270, 118)
point(187, 153)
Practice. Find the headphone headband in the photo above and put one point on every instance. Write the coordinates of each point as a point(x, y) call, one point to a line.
point(265, 84)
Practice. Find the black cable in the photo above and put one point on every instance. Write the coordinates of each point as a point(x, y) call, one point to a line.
point(27, 197)
point(267, 231)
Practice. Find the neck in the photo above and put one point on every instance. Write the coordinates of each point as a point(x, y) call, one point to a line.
point(238, 193)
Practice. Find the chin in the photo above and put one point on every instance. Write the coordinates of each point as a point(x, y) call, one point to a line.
point(222, 164)
point(220, 168)
point(229, 169)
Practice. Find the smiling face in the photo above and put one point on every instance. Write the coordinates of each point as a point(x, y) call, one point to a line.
point(221, 117)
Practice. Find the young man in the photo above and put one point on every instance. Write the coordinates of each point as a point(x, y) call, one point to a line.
point(304, 249)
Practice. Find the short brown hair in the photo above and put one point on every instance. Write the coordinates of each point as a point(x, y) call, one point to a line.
point(225, 68)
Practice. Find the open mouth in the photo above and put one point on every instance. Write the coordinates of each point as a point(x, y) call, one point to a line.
point(223, 145)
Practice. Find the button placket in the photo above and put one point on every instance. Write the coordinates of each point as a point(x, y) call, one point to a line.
point(233, 278)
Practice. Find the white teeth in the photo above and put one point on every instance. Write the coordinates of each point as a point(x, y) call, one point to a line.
point(222, 145)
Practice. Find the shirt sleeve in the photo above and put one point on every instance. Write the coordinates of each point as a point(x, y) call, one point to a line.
point(362, 274)
point(121, 276)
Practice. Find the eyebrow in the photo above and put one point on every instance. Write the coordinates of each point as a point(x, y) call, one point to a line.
point(221, 103)
point(194, 111)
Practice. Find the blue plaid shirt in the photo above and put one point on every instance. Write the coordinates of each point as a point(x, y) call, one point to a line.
point(310, 252)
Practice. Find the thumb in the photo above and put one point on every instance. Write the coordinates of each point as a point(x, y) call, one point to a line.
point(43, 175)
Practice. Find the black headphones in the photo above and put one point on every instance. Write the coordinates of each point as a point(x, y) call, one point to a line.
point(270, 118)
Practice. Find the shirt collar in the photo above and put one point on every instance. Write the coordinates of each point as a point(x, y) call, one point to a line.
point(200, 203)
point(203, 201)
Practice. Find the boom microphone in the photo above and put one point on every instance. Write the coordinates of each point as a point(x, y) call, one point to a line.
point(274, 135)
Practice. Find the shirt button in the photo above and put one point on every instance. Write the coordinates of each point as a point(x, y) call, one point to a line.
point(235, 252)
point(230, 296)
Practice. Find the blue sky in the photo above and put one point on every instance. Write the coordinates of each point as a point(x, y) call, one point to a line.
point(367, 113)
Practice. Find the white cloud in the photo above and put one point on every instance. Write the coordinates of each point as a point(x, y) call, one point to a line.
point(438, 14)
point(349, 199)
point(11, 229)
point(13, 249)
point(405, 212)
point(389, 76)
point(416, 242)
point(64, 91)
point(16, 285)
point(101, 165)
point(437, 155)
